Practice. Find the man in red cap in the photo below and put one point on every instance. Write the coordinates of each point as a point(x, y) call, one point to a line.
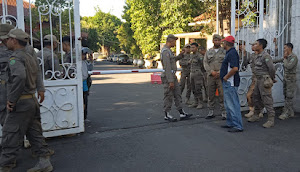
point(230, 78)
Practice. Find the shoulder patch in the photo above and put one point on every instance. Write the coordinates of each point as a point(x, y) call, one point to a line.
point(267, 59)
point(293, 59)
point(12, 61)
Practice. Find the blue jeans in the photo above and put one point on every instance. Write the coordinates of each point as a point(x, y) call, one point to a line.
point(232, 106)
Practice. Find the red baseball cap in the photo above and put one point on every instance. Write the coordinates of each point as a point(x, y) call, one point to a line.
point(229, 39)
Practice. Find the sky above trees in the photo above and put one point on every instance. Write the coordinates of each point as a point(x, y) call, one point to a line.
point(114, 7)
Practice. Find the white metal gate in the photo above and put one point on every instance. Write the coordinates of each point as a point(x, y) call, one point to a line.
point(268, 19)
point(62, 110)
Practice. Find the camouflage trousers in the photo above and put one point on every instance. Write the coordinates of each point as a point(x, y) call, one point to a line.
point(289, 89)
point(23, 120)
point(262, 97)
point(250, 92)
point(170, 94)
point(185, 80)
point(197, 83)
point(205, 87)
point(212, 85)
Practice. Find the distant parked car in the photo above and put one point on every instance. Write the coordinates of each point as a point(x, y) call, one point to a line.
point(123, 59)
point(109, 58)
point(135, 61)
point(130, 60)
point(115, 58)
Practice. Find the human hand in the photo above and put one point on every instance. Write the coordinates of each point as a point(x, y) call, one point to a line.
point(10, 106)
point(214, 73)
point(171, 85)
point(41, 96)
point(218, 74)
point(91, 58)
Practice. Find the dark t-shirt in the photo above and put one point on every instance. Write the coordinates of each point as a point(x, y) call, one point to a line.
point(231, 60)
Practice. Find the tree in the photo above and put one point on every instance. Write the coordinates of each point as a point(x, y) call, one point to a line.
point(145, 22)
point(93, 41)
point(151, 20)
point(176, 14)
point(102, 29)
point(125, 35)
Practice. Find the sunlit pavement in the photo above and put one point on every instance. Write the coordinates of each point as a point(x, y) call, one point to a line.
point(127, 133)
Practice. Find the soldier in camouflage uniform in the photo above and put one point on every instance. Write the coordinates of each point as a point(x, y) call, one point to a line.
point(197, 76)
point(290, 62)
point(4, 59)
point(244, 55)
point(47, 52)
point(252, 86)
point(185, 73)
point(169, 80)
point(202, 51)
point(212, 63)
point(23, 116)
point(67, 49)
point(69, 59)
point(5, 28)
point(264, 72)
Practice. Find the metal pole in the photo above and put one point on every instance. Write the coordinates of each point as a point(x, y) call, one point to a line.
point(217, 25)
point(261, 18)
point(30, 21)
point(20, 15)
point(77, 29)
point(233, 17)
point(4, 12)
point(105, 72)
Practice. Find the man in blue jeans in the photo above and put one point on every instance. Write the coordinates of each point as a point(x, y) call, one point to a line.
point(230, 78)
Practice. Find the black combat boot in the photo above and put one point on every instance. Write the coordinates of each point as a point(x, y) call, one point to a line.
point(184, 115)
point(169, 117)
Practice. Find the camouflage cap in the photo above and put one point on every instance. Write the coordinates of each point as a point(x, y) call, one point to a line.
point(48, 38)
point(217, 36)
point(4, 29)
point(18, 34)
point(171, 36)
point(187, 45)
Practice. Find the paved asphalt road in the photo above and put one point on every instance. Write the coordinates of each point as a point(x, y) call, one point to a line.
point(127, 133)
